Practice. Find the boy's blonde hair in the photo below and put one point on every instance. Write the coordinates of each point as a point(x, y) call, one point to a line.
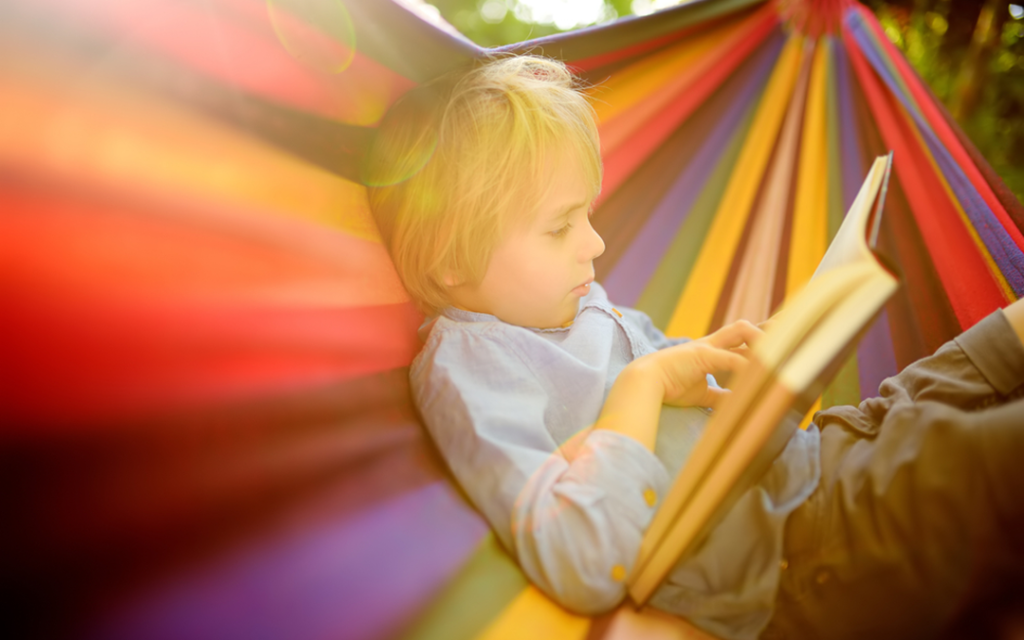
point(459, 162)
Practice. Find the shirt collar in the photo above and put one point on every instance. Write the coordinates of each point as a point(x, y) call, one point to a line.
point(461, 315)
point(594, 298)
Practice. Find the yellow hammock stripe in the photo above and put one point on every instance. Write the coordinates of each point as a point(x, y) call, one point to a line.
point(533, 615)
point(650, 624)
point(693, 313)
point(810, 214)
point(96, 132)
point(809, 237)
point(645, 88)
point(650, 75)
point(752, 294)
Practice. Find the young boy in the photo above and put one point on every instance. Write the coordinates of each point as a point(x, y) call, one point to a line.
point(564, 418)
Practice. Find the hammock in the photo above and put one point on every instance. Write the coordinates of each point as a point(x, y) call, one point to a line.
point(207, 430)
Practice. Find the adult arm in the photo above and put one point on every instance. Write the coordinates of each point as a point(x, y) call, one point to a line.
point(1015, 316)
point(980, 367)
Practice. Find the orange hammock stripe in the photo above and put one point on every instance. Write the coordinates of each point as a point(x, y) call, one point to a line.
point(621, 163)
point(626, 102)
point(101, 134)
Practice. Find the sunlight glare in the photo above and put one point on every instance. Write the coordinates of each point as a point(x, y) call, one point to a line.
point(493, 11)
point(564, 14)
point(646, 7)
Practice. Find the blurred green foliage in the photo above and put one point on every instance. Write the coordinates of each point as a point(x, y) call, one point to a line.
point(493, 23)
point(936, 37)
point(982, 84)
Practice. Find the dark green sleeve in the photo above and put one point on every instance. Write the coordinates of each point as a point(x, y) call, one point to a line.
point(983, 366)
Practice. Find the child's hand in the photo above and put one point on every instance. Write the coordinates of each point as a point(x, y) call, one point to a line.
point(683, 368)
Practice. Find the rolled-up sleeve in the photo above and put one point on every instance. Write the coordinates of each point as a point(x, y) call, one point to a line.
point(573, 516)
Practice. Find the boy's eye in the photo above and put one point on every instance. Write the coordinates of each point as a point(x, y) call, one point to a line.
point(558, 233)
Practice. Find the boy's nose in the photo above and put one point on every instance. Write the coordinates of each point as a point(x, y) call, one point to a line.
point(594, 246)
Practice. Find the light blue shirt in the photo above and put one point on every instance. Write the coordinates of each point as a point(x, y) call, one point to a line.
point(512, 411)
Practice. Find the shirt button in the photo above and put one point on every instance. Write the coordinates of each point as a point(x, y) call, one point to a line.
point(783, 564)
point(618, 573)
point(651, 497)
point(617, 312)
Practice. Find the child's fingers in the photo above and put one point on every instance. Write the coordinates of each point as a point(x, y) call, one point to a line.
point(684, 370)
point(734, 335)
point(723, 360)
point(742, 350)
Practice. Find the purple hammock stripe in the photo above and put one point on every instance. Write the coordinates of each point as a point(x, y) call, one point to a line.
point(637, 265)
point(356, 577)
point(851, 156)
point(1004, 251)
point(876, 358)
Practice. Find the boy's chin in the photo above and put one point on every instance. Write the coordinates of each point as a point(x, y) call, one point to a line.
point(559, 319)
point(570, 316)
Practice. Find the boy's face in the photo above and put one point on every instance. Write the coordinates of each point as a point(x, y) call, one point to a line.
point(540, 270)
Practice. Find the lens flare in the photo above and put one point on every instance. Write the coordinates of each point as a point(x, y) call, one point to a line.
point(405, 166)
point(317, 33)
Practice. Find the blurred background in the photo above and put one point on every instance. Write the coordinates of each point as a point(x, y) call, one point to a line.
point(970, 52)
point(206, 430)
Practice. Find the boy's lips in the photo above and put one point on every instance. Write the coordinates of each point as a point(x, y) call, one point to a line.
point(584, 288)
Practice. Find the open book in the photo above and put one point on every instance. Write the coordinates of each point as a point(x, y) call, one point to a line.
point(805, 344)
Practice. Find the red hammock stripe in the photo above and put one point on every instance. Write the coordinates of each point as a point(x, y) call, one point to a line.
point(929, 106)
point(964, 274)
point(248, 55)
point(100, 349)
point(620, 164)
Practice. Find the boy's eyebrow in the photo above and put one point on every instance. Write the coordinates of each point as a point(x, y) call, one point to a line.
point(564, 211)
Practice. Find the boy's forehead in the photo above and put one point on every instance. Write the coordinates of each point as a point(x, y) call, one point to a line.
point(548, 203)
point(567, 187)
point(560, 181)
point(563, 202)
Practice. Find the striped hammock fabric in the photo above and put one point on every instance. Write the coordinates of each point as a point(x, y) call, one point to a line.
point(206, 423)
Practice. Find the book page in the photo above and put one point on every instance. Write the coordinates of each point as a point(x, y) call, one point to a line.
point(850, 243)
point(851, 313)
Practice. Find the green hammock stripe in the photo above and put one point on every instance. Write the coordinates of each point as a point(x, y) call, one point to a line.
point(487, 584)
point(836, 213)
point(845, 387)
